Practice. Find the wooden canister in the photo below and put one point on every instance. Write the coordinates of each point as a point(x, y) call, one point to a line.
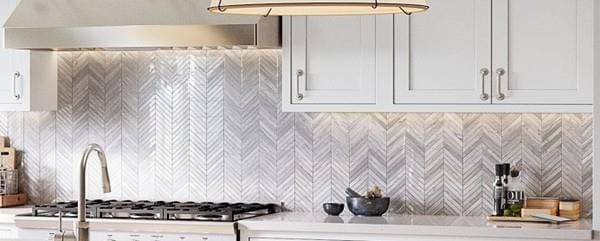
point(570, 209)
point(549, 203)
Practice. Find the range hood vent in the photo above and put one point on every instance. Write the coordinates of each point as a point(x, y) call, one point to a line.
point(123, 24)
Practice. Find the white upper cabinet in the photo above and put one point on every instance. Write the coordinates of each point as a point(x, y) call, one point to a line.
point(443, 56)
point(333, 60)
point(28, 79)
point(459, 56)
point(543, 51)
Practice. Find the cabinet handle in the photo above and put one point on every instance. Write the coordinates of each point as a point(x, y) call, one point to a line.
point(299, 73)
point(16, 76)
point(500, 72)
point(484, 72)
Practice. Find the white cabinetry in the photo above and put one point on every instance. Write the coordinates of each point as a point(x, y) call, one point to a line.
point(27, 78)
point(440, 54)
point(545, 50)
point(333, 60)
point(281, 239)
point(459, 56)
point(359, 237)
point(417, 234)
point(518, 52)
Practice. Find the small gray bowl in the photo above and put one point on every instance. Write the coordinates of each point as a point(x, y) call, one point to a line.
point(362, 206)
point(333, 209)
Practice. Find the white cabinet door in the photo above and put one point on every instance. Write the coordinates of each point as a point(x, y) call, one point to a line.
point(335, 56)
point(28, 80)
point(545, 48)
point(440, 54)
point(11, 79)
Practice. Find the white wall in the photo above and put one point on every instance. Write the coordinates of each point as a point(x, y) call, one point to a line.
point(597, 115)
point(6, 8)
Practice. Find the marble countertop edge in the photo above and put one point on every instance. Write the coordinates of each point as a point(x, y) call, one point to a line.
point(418, 225)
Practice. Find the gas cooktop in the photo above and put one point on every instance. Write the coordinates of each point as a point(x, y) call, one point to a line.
point(159, 210)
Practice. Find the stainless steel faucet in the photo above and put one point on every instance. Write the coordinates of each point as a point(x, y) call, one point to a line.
point(82, 232)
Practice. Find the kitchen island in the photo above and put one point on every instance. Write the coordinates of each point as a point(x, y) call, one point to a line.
point(308, 226)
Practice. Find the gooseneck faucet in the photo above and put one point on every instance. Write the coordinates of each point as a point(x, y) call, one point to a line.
point(82, 231)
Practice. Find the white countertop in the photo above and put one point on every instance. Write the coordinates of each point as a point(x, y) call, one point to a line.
point(7, 215)
point(160, 226)
point(417, 225)
point(17, 239)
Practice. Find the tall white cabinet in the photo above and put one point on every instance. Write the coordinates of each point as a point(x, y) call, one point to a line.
point(28, 79)
point(460, 55)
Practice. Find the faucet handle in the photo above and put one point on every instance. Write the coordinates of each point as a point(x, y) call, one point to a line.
point(62, 235)
point(65, 236)
point(60, 224)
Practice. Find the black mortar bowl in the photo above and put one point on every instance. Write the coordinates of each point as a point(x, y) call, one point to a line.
point(362, 206)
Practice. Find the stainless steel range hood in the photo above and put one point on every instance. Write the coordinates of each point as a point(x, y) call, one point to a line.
point(122, 24)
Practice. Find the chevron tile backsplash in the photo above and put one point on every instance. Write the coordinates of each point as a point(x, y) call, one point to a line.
point(206, 124)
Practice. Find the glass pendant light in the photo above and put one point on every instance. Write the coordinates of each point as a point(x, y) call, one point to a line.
point(317, 7)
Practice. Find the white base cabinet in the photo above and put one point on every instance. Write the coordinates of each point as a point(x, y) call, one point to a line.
point(495, 56)
point(284, 236)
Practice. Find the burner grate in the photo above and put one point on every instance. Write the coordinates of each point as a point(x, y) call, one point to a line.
point(159, 210)
point(67, 208)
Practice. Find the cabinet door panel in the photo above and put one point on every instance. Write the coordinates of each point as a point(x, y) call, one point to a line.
point(439, 53)
point(544, 46)
point(337, 56)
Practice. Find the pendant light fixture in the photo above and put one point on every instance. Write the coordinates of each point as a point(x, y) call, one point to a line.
point(317, 7)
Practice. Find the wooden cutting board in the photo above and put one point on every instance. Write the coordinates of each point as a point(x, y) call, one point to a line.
point(13, 200)
point(516, 219)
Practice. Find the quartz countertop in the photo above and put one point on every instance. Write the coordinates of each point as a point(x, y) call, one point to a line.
point(418, 225)
point(7, 215)
point(18, 239)
point(125, 225)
